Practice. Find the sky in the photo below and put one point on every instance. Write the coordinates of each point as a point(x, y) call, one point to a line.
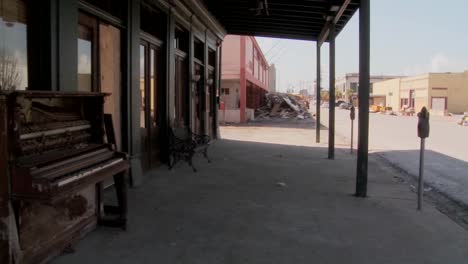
point(408, 37)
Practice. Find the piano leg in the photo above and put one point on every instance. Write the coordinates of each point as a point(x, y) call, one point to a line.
point(121, 191)
point(119, 212)
point(10, 250)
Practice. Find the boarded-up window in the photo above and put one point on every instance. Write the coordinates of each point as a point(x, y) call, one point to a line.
point(109, 42)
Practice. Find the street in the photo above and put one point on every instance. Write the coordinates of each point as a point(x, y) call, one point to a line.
point(395, 139)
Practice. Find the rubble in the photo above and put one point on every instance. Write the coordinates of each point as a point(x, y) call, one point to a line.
point(283, 106)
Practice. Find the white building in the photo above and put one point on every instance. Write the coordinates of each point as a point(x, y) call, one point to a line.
point(351, 82)
point(272, 79)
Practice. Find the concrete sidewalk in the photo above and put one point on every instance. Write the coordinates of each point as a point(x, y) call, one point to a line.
point(235, 211)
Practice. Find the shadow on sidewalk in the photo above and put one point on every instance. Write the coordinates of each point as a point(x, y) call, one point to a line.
point(272, 203)
point(446, 176)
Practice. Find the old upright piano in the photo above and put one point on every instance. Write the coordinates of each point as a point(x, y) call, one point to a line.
point(54, 160)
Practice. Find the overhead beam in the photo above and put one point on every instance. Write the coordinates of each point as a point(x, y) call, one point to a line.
point(274, 35)
point(289, 4)
point(275, 29)
point(326, 29)
point(274, 11)
point(252, 24)
point(242, 14)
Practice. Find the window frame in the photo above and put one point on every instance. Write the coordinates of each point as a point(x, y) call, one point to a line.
point(92, 23)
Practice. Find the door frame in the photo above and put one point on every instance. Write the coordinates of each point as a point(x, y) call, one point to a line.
point(440, 97)
point(152, 43)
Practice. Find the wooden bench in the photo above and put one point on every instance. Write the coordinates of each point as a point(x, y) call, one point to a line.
point(184, 144)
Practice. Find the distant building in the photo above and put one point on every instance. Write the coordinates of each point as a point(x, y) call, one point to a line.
point(244, 79)
point(349, 84)
point(441, 93)
point(304, 92)
point(272, 79)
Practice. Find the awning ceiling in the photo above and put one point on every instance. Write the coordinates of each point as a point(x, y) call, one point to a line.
point(293, 19)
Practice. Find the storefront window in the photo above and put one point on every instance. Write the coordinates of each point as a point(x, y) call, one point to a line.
point(85, 47)
point(13, 45)
point(142, 85)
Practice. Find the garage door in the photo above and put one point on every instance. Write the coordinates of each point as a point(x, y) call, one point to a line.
point(439, 105)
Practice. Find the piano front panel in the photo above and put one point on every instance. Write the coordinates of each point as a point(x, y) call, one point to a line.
point(43, 226)
point(5, 216)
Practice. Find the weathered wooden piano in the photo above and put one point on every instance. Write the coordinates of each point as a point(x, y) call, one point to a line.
point(54, 160)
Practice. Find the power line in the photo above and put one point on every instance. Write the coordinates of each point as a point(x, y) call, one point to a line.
point(274, 45)
point(277, 51)
point(280, 53)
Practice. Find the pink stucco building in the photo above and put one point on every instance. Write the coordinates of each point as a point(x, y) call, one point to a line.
point(244, 78)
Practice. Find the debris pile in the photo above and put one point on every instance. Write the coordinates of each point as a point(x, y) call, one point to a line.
point(282, 105)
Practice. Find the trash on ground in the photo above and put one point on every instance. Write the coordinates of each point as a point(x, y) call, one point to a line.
point(283, 106)
point(281, 184)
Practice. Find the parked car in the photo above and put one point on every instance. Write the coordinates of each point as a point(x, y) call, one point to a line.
point(339, 102)
point(346, 106)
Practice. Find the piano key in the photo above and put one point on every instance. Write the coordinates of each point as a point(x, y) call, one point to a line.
point(69, 161)
point(73, 165)
point(87, 172)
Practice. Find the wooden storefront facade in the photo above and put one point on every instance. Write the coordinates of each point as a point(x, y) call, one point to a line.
point(159, 60)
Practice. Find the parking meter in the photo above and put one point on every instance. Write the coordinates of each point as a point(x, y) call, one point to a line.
point(423, 123)
point(423, 133)
point(352, 116)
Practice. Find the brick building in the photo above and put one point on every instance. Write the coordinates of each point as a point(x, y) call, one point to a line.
point(244, 78)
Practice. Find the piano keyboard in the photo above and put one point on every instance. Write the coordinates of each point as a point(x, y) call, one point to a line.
point(88, 171)
point(73, 164)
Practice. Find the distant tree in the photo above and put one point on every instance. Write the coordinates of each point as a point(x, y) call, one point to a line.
point(338, 94)
point(324, 96)
point(9, 75)
point(349, 94)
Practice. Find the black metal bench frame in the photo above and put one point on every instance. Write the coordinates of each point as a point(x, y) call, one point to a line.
point(184, 144)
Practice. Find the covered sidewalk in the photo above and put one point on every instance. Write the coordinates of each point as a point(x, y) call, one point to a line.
point(273, 203)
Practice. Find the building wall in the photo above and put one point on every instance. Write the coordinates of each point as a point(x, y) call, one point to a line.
point(231, 57)
point(389, 89)
point(351, 80)
point(255, 96)
point(231, 100)
point(272, 79)
point(233, 115)
point(419, 84)
point(454, 86)
point(256, 65)
point(243, 63)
